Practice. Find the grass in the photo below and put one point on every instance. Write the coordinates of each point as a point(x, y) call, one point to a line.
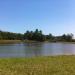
point(54, 65)
point(9, 41)
point(16, 41)
point(27, 41)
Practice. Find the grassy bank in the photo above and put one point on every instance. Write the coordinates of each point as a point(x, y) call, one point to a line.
point(28, 41)
point(9, 41)
point(16, 41)
point(57, 65)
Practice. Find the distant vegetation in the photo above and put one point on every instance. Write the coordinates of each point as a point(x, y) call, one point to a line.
point(35, 36)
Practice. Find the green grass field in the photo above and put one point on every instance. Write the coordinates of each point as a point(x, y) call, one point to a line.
point(54, 65)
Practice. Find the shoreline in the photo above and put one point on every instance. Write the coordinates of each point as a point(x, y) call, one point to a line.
point(28, 41)
point(10, 41)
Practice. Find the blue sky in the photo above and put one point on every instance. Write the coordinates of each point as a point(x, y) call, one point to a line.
point(51, 16)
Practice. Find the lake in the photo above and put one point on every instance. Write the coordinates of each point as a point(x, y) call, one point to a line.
point(36, 49)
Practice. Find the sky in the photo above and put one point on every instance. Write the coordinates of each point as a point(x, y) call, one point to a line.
point(50, 16)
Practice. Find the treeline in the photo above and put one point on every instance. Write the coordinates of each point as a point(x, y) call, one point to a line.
point(10, 36)
point(36, 35)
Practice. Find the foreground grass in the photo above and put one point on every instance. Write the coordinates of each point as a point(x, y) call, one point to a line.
point(57, 65)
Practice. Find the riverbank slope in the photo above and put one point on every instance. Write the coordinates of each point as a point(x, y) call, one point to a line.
point(10, 41)
point(27, 41)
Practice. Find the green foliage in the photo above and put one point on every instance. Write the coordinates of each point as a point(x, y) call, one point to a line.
point(68, 37)
point(10, 36)
point(50, 37)
point(36, 35)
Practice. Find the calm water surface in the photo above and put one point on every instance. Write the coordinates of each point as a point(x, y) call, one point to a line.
point(36, 49)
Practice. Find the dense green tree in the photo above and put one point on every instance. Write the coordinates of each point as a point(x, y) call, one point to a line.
point(67, 37)
point(26, 35)
point(1, 35)
point(49, 37)
point(36, 35)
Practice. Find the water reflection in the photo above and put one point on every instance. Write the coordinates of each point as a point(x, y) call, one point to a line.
point(36, 49)
point(33, 49)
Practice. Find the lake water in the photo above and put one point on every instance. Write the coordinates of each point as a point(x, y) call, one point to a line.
point(36, 49)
